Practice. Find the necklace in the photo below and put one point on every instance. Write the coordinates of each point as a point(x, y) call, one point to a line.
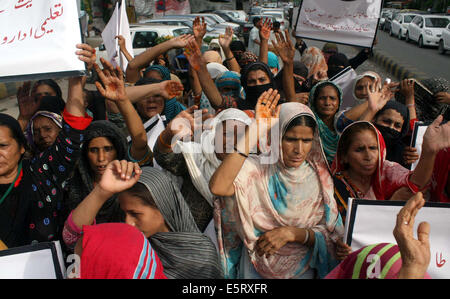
point(355, 189)
point(19, 170)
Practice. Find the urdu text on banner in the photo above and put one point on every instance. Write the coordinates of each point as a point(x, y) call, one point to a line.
point(351, 22)
point(39, 38)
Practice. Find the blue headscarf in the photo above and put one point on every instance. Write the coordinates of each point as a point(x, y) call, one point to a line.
point(272, 60)
point(165, 73)
point(231, 80)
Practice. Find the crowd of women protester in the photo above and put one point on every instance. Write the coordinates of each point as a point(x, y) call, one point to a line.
point(249, 177)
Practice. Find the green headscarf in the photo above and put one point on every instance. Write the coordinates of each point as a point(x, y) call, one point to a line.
point(329, 138)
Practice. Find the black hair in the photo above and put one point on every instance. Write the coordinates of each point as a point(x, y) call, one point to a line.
point(302, 120)
point(276, 25)
point(347, 136)
point(322, 86)
point(14, 127)
point(256, 20)
point(53, 104)
point(141, 191)
point(52, 84)
point(146, 80)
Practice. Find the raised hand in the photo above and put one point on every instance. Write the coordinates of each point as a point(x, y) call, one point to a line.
point(199, 29)
point(112, 85)
point(225, 40)
point(87, 54)
point(194, 55)
point(119, 176)
point(377, 97)
point(437, 136)
point(171, 89)
point(184, 125)
point(415, 253)
point(407, 88)
point(180, 41)
point(266, 27)
point(284, 46)
point(266, 107)
point(28, 104)
point(267, 114)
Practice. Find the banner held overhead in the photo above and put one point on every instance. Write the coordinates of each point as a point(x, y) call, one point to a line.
point(351, 22)
point(38, 40)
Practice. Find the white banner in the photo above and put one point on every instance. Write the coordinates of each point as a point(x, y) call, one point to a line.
point(38, 37)
point(370, 222)
point(351, 22)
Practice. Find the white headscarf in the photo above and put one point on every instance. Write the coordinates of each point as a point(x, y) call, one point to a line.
point(201, 159)
point(216, 69)
point(369, 74)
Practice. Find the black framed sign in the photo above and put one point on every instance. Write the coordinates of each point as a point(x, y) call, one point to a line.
point(351, 22)
point(38, 261)
point(371, 221)
point(38, 40)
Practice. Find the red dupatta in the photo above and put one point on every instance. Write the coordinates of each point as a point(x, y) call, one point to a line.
point(118, 251)
point(388, 177)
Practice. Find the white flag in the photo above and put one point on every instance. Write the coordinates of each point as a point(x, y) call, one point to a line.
point(108, 35)
point(124, 30)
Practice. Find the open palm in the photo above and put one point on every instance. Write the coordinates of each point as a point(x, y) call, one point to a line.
point(199, 28)
point(28, 104)
point(284, 46)
point(437, 135)
point(225, 40)
point(112, 85)
point(266, 27)
point(171, 89)
point(193, 55)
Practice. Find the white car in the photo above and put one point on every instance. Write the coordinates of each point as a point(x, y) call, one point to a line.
point(399, 25)
point(426, 30)
point(444, 42)
point(279, 17)
point(146, 36)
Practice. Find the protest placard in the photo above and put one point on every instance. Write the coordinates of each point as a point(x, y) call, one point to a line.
point(38, 40)
point(352, 22)
point(38, 261)
point(371, 221)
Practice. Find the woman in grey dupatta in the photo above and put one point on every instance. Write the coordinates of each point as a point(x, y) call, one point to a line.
point(153, 204)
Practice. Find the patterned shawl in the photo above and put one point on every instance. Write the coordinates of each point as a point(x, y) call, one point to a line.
point(201, 159)
point(272, 196)
point(184, 251)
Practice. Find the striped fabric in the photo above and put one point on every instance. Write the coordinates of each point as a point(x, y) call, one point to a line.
point(376, 261)
point(185, 252)
point(118, 251)
point(146, 267)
